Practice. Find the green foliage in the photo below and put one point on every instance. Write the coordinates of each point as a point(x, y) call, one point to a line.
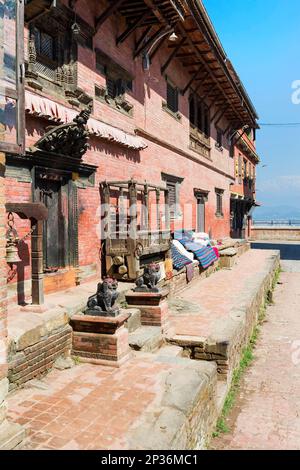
point(245, 362)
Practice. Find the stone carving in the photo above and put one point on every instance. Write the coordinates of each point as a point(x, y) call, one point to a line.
point(103, 302)
point(148, 281)
point(68, 139)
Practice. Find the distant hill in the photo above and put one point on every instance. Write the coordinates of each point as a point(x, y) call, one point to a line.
point(276, 212)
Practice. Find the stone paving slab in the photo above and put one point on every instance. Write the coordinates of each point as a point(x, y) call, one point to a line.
point(214, 319)
point(150, 402)
point(267, 413)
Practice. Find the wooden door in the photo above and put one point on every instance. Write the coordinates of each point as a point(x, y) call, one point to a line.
point(200, 214)
point(54, 194)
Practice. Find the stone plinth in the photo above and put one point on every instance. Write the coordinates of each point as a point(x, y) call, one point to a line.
point(153, 307)
point(228, 257)
point(100, 340)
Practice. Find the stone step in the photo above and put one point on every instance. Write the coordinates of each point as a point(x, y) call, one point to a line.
point(134, 321)
point(170, 351)
point(146, 339)
point(11, 434)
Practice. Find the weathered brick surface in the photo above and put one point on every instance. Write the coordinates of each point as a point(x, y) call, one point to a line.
point(221, 323)
point(37, 359)
point(3, 290)
point(101, 346)
point(168, 148)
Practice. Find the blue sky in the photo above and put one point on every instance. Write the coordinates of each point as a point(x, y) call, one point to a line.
point(261, 37)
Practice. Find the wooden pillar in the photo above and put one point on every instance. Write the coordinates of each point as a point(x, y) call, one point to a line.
point(132, 262)
point(106, 215)
point(37, 273)
point(157, 193)
point(133, 210)
point(146, 208)
point(122, 215)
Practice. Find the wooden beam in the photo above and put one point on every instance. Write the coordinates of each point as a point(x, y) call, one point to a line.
point(227, 129)
point(172, 55)
point(182, 55)
point(190, 41)
point(157, 47)
point(199, 43)
point(143, 35)
point(191, 81)
point(222, 114)
point(150, 4)
point(109, 11)
point(202, 79)
point(132, 27)
point(149, 42)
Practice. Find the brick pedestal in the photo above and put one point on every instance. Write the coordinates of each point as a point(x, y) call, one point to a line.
point(100, 340)
point(153, 307)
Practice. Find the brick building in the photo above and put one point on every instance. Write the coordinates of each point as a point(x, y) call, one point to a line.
point(243, 191)
point(166, 102)
point(164, 107)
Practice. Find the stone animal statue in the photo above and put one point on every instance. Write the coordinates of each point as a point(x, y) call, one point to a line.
point(103, 302)
point(148, 281)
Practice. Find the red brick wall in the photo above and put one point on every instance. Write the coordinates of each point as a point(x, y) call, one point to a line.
point(116, 162)
point(3, 265)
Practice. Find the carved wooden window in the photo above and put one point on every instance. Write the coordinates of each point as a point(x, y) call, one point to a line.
point(199, 115)
point(219, 142)
point(173, 184)
point(219, 202)
point(117, 87)
point(118, 83)
point(45, 44)
point(52, 56)
point(47, 54)
point(172, 98)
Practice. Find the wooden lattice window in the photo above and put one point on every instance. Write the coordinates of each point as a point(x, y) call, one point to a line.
point(199, 115)
point(173, 184)
point(219, 138)
point(172, 98)
point(219, 202)
point(118, 83)
point(44, 44)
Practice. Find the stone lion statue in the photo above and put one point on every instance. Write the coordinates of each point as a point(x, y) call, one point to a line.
point(103, 302)
point(148, 281)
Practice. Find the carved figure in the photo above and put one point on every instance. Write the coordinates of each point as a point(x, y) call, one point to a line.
point(68, 139)
point(148, 281)
point(103, 302)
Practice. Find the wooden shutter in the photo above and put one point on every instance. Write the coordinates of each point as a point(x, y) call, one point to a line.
point(172, 196)
point(219, 202)
point(172, 98)
point(111, 87)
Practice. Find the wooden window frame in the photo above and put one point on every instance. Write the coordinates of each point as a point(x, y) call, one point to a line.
point(219, 202)
point(17, 93)
point(113, 72)
point(174, 182)
point(219, 138)
point(204, 119)
point(165, 104)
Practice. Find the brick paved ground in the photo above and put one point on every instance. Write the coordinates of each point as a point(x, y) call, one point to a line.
point(95, 407)
point(215, 296)
point(267, 412)
point(88, 406)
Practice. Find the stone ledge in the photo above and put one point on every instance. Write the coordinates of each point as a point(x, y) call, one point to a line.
point(184, 414)
point(231, 332)
point(11, 435)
